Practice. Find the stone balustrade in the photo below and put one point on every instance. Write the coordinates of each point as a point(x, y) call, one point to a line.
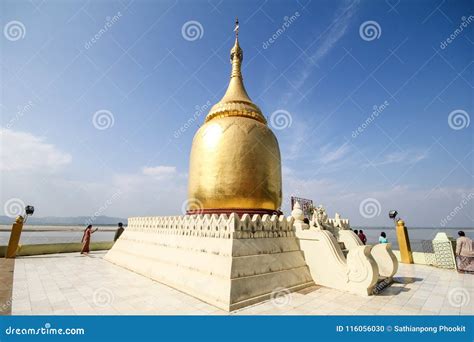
point(339, 223)
point(216, 226)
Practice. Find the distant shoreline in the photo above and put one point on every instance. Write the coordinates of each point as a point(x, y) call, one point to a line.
point(110, 228)
point(72, 228)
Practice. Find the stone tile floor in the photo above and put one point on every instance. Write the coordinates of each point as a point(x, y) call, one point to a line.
point(70, 284)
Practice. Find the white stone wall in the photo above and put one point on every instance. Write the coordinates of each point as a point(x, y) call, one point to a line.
point(227, 261)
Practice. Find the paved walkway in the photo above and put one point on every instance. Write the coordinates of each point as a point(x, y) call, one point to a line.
point(6, 284)
point(70, 284)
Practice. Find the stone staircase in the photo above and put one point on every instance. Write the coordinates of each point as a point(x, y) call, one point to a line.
point(343, 248)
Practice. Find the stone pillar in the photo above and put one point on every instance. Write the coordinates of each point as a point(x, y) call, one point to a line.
point(406, 255)
point(14, 237)
point(298, 215)
point(443, 246)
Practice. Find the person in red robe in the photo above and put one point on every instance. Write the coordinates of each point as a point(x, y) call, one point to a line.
point(362, 237)
point(86, 239)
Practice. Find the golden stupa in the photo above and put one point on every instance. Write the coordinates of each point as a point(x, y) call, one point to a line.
point(235, 163)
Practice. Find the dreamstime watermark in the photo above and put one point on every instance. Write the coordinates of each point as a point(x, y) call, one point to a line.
point(103, 119)
point(377, 110)
point(370, 30)
point(458, 297)
point(464, 24)
point(21, 111)
point(103, 207)
point(193, 205)
point(370, 207)
point(464, 202)
point(458, 119)
point(14, 207)
point(47, 329)
point(192, 30)
point(281, 297)
point(103, 297)
point(287, 21)
point(14, 30)
point(199, 110)
point(281, 119)
point(109, 22)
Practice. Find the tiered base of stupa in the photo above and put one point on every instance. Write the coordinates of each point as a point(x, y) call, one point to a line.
point(226, 261)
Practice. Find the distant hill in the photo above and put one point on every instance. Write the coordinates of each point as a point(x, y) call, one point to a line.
point(77, 220)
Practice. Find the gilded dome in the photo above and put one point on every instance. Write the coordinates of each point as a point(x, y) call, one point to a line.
point(235, 160)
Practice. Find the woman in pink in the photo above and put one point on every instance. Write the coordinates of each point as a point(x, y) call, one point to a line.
point(86, 239)
point(464, 253)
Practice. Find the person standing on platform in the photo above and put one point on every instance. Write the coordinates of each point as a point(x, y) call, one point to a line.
point(362, 237)
point(464, 253)
point(356, 232)
point(383, 238)
point(119, 231)
point(86, 239)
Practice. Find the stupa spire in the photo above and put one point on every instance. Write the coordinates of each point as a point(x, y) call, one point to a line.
point(236, 54)
point(236, 101)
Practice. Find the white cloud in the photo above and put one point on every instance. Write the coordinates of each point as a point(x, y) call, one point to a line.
point(159, 171)
point(336, 29)
point(330, 37)
point(294, 140)
point(21, 151)
point(333, 155)
point(159, 191)
point(129, 194)
point(33, 170)
point(399, 157)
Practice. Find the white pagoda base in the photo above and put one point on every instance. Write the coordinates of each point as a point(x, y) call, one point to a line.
point(229, 262)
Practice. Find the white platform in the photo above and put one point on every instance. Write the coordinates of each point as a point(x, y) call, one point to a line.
point(225, 261)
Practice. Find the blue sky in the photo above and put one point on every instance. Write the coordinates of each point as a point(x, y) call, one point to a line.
point(321, 74)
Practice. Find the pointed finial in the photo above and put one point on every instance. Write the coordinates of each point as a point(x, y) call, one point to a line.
point(236, 29)
point(236, 101)
point(236, 53)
